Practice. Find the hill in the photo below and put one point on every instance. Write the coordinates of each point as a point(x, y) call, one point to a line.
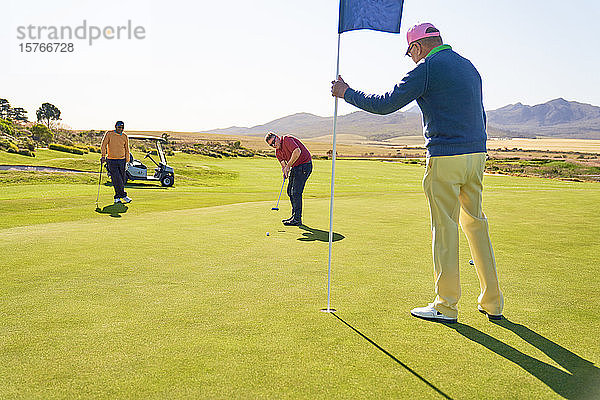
point(360, 123)
point(557, 118)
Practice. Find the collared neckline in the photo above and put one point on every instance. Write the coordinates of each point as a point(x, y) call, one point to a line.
point(438, 49)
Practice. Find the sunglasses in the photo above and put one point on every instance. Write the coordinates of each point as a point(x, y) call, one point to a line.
point(410, 48)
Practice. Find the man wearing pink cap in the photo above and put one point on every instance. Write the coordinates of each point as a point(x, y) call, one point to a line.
point(447, 88)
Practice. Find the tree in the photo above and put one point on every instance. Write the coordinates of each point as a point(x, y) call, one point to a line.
point(6, 127)
point(92, 135)
point(48, 112)
point(4, 109)
point(19, 114)
point(13, 114)
point(41, 133)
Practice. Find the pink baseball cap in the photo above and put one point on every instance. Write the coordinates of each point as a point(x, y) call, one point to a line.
point(420, 31)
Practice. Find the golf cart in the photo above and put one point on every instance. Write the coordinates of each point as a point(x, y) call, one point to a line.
point(136, 170)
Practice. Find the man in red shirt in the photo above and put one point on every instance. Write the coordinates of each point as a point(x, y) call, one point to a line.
point(296, 164)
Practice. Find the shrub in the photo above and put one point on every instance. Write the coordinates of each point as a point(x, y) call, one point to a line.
point(94, 149)
point(6, 127)
point(12, 148)
point(26, 152)
point(41, 133)
point(67, 149)
point(82, 147)
point(28, 144)
point(5, 144)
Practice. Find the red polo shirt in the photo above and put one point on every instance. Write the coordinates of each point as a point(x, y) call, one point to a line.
point(288, 145)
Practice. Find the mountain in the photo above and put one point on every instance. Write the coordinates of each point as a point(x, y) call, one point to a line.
point(555, 112)
point(302, 124)
point(361, 123)
point(557, 118)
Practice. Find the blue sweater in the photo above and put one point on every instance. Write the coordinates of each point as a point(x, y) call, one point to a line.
point(447, 88)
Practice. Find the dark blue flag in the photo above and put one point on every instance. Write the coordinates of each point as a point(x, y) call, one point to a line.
point(378, 15)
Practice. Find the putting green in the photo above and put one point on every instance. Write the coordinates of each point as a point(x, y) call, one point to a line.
point(181, 294)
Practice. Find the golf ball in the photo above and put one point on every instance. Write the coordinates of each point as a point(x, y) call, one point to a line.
point(267, 233)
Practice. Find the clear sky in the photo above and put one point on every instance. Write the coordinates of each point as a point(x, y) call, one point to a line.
point(211, 64)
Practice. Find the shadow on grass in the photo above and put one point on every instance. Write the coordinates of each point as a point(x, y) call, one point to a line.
point(387, 353)
point(313, 234)
point(114, 210)
point(140, 185)
point(581, 382)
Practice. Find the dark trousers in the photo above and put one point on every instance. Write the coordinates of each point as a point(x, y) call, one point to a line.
point(298, 177)
point(117, 176)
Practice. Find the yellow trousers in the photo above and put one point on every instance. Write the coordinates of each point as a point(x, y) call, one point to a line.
point(453, 186)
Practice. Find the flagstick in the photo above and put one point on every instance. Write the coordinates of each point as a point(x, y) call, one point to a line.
point(337, 72)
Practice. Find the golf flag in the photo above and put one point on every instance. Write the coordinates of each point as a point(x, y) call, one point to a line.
point(378, 15)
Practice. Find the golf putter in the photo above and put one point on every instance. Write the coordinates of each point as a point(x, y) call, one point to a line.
point(99, 181)
point(276, 208)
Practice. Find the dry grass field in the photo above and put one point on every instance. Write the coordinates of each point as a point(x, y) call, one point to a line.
point(580, 145)
point(412, 146)
point(347, 145)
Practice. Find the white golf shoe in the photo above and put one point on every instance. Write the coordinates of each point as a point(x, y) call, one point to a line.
point(126, 199)
point(117, 201)
point(431, 314)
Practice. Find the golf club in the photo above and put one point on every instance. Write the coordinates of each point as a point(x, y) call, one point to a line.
point(99, 181)
point(276, 208)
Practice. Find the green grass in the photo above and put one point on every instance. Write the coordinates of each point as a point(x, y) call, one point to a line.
point(184, 295)
point(545, 168)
